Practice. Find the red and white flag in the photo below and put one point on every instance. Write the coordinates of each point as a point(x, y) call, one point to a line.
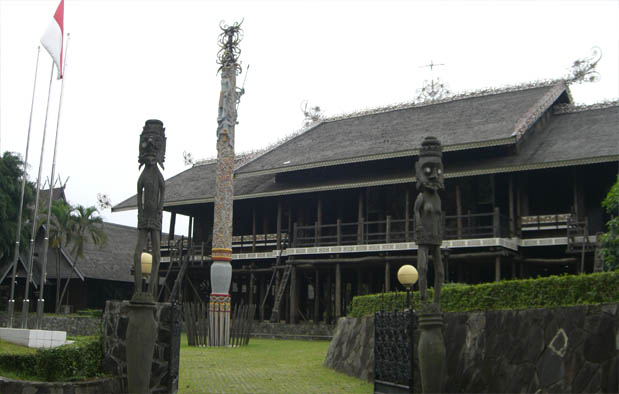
point(52, 39)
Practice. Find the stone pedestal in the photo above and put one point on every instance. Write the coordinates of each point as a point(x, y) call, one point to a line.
point(431, 348)
point(141, 336)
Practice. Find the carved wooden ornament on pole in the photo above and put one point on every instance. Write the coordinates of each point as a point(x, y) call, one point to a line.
point(428, 222)
point(221, 268)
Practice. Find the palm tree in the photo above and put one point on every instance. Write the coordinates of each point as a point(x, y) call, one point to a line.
point(87, 226)
point(60, 235)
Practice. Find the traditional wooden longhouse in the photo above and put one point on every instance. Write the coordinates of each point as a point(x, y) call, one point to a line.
point(327, 214)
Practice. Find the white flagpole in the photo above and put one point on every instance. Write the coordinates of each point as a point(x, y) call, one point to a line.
point(41, 300)
point(11, 306)
point(26, 302)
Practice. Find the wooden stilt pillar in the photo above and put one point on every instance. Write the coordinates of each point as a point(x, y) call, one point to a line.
point(359, 282)
point(279, 224)
point(317, 298)
point(253, 230)
point(250, 298)
point(497, 268)
point(338, 291)
point(172, 226)
point(387, 276)
point(262, 292)
point(328, 297)
point(407, 204)
point(512, 219)
point(459, 211)
point(293, 295)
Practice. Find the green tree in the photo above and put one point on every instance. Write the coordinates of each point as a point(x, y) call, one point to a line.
point(87, 226)
point(11, 173)
point(610, 240)
point(61, 229)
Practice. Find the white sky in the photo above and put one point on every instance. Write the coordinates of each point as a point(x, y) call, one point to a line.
point(129, 61)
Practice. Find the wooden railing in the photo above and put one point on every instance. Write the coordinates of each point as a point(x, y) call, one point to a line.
point(468, 226)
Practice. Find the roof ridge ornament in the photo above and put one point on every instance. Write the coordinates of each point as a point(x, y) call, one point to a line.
point(434, 89)
point(571, 108)
point(583, 70)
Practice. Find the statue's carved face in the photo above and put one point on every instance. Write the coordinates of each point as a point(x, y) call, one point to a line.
point(151, 146)
point(429, 173)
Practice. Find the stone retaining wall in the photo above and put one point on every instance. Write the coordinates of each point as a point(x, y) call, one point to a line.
point(73, 325)
point(572, 349)
point(164, 371)
point(99, 386)
point(304, 331)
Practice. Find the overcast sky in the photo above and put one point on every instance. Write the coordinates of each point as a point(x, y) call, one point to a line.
point(129, 61)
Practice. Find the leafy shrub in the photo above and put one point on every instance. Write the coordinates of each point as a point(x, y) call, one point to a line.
point(610, 240)
point(63, 363)
point(548, 292)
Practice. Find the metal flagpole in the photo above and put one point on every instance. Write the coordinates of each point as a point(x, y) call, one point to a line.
point(26, 302)
point(11, 306)
point(41, 299)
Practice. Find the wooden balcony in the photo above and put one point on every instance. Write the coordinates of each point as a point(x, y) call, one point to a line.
point(469, 226)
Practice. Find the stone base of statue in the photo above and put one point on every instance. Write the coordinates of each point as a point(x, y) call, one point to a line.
point(219, 319)
point(431, 348)
point(141, 337)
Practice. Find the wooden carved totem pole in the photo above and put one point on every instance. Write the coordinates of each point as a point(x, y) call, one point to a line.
point(428, 229)
point(221, 268)
point(142, 327)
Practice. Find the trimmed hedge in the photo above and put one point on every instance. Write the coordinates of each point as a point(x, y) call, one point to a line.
point(64, 363)
point(547, 292)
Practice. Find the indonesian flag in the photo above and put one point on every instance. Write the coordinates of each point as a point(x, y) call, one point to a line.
point(52, 38)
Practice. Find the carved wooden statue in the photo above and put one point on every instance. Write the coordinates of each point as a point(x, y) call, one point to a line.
point(151, 188)
point(428, 214)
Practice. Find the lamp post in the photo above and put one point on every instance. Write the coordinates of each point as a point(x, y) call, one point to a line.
point(407, 276)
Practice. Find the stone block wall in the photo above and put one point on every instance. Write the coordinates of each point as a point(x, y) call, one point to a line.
point(164, 372)
point(304, 331)
point(73, 325)
point(559, 350)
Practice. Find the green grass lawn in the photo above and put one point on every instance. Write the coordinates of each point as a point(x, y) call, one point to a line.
point(264, 366)
point(11, 348)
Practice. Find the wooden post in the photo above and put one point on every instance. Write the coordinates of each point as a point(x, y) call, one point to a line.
point(318, 219)
point(317, 298)
point(497, 268)
point(279, 224)
point(338, 291)
point(265, 224)
point(250, 298)
point(190, 228)
point(407, 214)
point(360, 218)
point(459, 210)
point(328, 296)
point(359, 282)
point(512, 219)
point(253, 230)
point(293, 294)
point(316, 234)
point(387, 276)
point(172, 226)
point(388, 229)
point(496, 223)
point(338, 231)
point(262, 292)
